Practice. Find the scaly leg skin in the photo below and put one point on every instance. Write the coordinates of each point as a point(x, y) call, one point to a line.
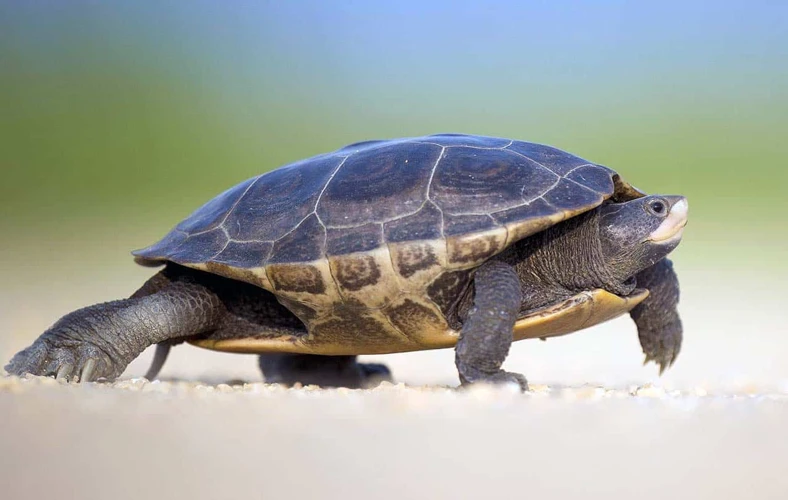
point(657, 317)
point(99, 341)
point(486, 334)
point(325, 371)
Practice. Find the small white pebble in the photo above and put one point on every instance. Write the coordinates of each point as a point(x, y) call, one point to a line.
point(650, 391)
point(134, 384)
point(589, 392)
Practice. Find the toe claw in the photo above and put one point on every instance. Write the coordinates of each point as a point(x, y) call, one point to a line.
point(64, 371)
point(87, 370)
point(64, 359)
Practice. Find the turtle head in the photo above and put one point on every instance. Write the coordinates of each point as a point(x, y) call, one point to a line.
point(636, 234)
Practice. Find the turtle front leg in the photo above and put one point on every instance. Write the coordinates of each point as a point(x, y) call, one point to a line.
point(486, 334)
point(657, 318)
point(101, 340)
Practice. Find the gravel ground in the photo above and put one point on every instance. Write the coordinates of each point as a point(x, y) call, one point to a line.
point(135, 439)
point(597, 425)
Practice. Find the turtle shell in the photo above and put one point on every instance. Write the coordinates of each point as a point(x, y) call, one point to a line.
point(385, 232)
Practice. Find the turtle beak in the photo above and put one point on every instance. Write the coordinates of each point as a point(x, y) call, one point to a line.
point(672, 227)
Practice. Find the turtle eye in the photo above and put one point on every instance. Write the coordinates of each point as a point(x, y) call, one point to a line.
point(657, 207)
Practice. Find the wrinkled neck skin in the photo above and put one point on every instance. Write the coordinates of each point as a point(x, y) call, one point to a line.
point(566, 259)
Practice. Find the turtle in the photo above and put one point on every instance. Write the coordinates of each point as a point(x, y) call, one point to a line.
point(391, 246)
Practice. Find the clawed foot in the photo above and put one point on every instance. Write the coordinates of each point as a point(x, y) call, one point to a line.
point(661, 347)
point(499, 378)
point(664, 358)
point(64, 359)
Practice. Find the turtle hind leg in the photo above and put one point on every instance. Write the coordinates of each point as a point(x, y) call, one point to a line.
point(99, 341)
point(325, 371)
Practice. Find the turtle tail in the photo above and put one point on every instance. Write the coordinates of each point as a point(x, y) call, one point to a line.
point(159, 357)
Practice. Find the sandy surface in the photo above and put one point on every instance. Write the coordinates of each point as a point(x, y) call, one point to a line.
point(137, 439)
point(598, 424)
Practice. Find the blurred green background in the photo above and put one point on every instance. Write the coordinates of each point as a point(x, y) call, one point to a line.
point(117, 119)
point(128, 115)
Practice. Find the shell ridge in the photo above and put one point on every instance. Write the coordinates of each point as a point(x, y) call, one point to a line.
point(425, 140)
point(430, 143)
point(511, 141)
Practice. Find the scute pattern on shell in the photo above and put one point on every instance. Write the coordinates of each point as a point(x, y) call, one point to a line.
point(386, 191)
